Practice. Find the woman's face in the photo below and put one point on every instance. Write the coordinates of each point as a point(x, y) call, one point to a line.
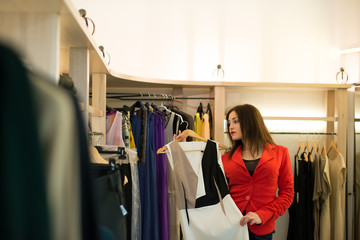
point(234, 126)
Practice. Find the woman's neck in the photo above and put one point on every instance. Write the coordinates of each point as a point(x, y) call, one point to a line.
point(246, 153)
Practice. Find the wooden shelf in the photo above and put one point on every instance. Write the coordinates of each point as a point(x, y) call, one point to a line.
point(73, 31)
point(327, 119)
point(116, 80)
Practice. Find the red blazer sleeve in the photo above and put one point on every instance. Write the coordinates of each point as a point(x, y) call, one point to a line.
point(276, 208)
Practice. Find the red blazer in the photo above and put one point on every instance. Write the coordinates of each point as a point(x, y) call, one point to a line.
point(257, 193)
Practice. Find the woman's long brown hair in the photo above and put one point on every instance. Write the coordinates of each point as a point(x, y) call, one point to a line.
point(254, 132)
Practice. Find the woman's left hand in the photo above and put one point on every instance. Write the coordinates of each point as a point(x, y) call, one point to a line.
point(251, 218)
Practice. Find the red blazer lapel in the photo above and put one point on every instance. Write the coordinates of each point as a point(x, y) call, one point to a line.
point(237, 157)
point(267, 154)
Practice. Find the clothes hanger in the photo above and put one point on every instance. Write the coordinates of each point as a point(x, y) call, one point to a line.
point(323, 149)
point(318, 147)
point(332, 146)
point(189, 133)
point(308, 149)
point(95, 156)
point(313, 146)
point(302, 148)
point(178, 115)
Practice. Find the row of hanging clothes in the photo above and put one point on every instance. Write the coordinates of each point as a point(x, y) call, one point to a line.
point(318, 209)
point(203, 122)
point(146, 127)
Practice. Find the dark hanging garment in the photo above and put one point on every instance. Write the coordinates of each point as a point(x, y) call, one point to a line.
point(200, 110)
point(139, 126)
point(188, 122)
point(127, 191)
point(110, 207)
point(148, 190)
point(209, 112)
point(298, 226)
point(23, 202)
point(161, 177)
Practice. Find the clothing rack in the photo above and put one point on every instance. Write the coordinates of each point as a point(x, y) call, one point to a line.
point(141, 96)
point(205, 98)
point(151, 96)
point(120, 150)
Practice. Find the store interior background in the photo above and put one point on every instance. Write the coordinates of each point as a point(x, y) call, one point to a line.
point(254, 41)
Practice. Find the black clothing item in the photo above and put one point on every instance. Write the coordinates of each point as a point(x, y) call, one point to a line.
point(213, 177)
point(209, 112)
point(127, 190)
point(187, 118)
point(200, 110)
point(300, 212)
point(251, 165)
point(110, 204)
point(23, 202)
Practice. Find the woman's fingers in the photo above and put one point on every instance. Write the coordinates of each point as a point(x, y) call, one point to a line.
point(253, 222)
point(244, 220)
point(251, 218)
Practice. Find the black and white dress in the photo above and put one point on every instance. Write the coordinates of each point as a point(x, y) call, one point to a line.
point(205, 208)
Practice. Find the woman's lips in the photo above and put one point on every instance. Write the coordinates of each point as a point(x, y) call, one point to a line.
point(232, 133)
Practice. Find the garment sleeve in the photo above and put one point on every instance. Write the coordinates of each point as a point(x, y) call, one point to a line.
point(285, 194)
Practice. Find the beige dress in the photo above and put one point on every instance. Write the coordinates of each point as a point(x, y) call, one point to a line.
point(337, 197)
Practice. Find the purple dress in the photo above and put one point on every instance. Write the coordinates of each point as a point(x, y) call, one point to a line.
point(161, 176)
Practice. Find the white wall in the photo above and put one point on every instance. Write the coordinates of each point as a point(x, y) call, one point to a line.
point(260, 40)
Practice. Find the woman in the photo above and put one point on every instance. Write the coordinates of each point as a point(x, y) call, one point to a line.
point(255, 168)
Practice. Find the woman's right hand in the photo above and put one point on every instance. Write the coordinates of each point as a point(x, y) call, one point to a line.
point(180, 137)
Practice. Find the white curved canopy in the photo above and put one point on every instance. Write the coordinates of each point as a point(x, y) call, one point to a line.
point(254, 41)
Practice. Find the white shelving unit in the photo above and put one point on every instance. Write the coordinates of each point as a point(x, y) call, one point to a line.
point(53, 39)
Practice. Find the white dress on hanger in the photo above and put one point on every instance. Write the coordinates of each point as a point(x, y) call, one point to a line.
point(205, 208)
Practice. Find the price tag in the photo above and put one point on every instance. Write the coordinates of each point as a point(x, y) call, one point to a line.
point(123, 210)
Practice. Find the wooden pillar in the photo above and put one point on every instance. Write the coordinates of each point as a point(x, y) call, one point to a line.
point(98, 121)
point(330, 112)
point(219, 113)
point(350, 164)
point(79, 71)
point(342, 112)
